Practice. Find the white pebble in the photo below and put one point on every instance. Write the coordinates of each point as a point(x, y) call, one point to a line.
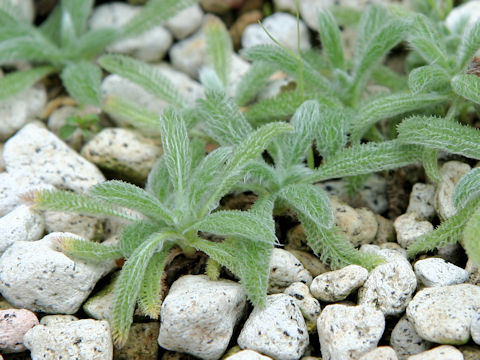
point(82, 339)
point(389, 287)
point(247, 355)
point(405, 340)
point(198, 315)
point(337, 285)
point(309, 306)
point(421, 201)
point(34, 275)
point(409, 228)
point(438, 272)
point(443, 352)
point(475, 328)
point(278, 330)
point(380, 353)
point(21, 224)
point(285, 269)
point(444, 314)
point(185, 22)
point(347, 332)
point(469, 11)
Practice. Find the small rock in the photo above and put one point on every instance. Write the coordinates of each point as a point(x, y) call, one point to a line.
point(49, 320)
point(405, 340)
point(123, 151)
point(99, 306)
point(337, 285)
point(385, 232)
point(198, 315)
point(409, 228)
point(283, 27)
point(309, 306)
point(185, 22)
point(389, 287)
point(247, 355)
point(359, 225)
point(87, 227)
point(20, 109)
point(473, 272)
point(285, 5)
point(238, 69)
point(444, 314)
point(188, 55)
point(238, 27)
point(2, 163)
point(82, 339)
point(278, 330)
point(21, 224)
point(34, 275)
point(475, 328)
point(421, 201)
point(24, 9)
point(469, 11)
point(444, 352)
point(380, 353)
point(391, 252)
point(296, 239)
point(141, 344)
point(58, 118)
point(470, 352)
point(347, 332)
point(309, 10)
point(437, 272)
point(116, 86)
point(451, 172)
point(453, 253)
point(310, 262)
point(36, 151)
point(186, 86)
point(219, 6)
point(285, 269)
point(151, 45)
point(14, 323)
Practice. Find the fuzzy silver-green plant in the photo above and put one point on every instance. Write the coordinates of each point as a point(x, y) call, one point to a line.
point(176, 207)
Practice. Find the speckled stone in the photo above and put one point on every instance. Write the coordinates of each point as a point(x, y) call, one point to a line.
point(380, 353)
point(198, 315)
point(21, 224)
point(49, 320)
point(34, 275)
point(438, 272)
point(278, 330)
point(309, 306)
point(14, 323)
point(451, 172)
point(391, 252)
point(470, 352)
point(247, 355)
point(310, 262)
point(123, 151)
point(444, 352)
point(444, 314)
point(36, 151)
point(141, 344)
point(385, 232)
point(347, 332)
point(87, 227)
point(285, 269)
point(389, 287)
point(421, 201)
point(337, 285)
point(82, 339)
point(409, 228)
point(405, 340)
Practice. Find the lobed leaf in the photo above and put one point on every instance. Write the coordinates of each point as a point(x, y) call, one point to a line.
point(219, 47)
point(132, 197)
point(83, 81)
point(144, 75)
point(467, 188)
point(366, 159)
point(14, 83)
point(441, 134)
point(467, 86)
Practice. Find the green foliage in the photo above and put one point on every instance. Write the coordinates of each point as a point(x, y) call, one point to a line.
point(64, 42)
point(87, 123)
point(174, 211)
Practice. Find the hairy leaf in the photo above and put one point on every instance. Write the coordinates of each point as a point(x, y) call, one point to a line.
point(79, 11)
point(467, 86)
point(83, 81)
point(332, 131)
point(430, 164)
point(131, 113)
point(88, 250)
point(144, 75)
point(14, 83)
point(78, 203)
point(252, 82)
point(29, 48)
point(471, 236)
point(92, 43)
point(132, 197)
point(470, 43)
point(133, 235)
point(366, 159)
point(428, 78)
point(331, 39)
point(441, 134)
point(310, 201)
point(219, 47)
point(467, 188)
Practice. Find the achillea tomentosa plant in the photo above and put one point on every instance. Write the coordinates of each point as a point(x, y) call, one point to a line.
point(182, 190)
point(62, 44)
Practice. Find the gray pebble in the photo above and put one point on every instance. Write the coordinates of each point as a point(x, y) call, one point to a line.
point(309, 306)
point(438, 272)
point(185, 22)
point(285, 269)
point(444, 352)
point(409, 228)
point(421, 201)
point(405, 340)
